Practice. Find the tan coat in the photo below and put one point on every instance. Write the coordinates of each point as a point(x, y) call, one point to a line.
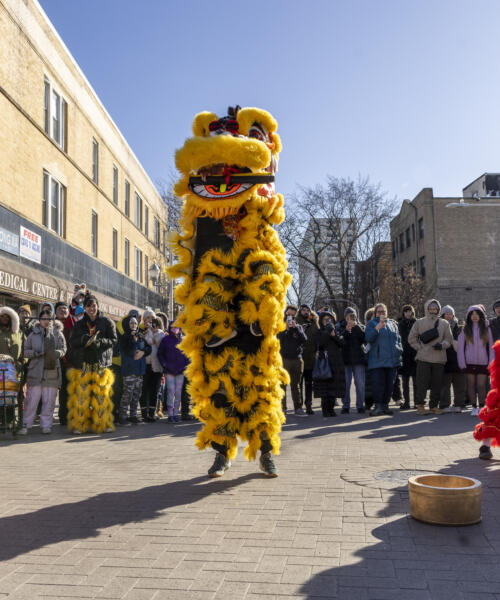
point(426, 352)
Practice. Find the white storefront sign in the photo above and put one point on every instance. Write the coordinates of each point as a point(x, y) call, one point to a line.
point(30, 245)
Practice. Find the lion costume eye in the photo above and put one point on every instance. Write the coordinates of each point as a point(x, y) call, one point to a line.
point(257, 133)
point(219, 191)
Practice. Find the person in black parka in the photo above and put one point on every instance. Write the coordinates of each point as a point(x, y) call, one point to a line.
point(409, 368)
point(330, 389)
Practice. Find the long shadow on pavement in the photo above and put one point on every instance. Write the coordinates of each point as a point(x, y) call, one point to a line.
point(418, 561)
point(80, 520)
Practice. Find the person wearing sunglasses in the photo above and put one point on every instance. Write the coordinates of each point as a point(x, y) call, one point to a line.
point(44, 347)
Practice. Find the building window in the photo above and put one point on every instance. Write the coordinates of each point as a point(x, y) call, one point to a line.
point(94, 233)
point(95, 161)
point(115, 248)
point(401, 243)
point(146, 220)
point(421, 228)
point(164, 242)
point(138, 264)
point(115, 184)
point(422, 265)
point(393, 248)
point(55, 111)
point(157, 232)
point(413, 231)
point(408, 240)
point(127, 198)
point(146, 271)
point(54, 205)
point(126, 257)
point(138, 211)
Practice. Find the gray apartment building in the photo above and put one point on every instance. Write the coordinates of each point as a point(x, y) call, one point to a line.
point(456, 250)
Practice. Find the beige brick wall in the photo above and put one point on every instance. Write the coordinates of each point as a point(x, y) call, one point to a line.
point(30, 51)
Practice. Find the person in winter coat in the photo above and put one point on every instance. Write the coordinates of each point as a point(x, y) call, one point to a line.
point(133, 352)
point(328, 340)
point(174, 362)
point(475, 352)
point(452, 372)
point(90, 381)
point(308, 320)
point(354, 358)
point(291, 341)
point(10, 336)
point(67, 320)
point(153, 334)
point(431, 355)
point(384, 357)
point(495, 322)
point(45, 346)
point(408, 370)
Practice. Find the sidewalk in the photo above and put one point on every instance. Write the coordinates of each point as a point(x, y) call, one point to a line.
point(132, 515)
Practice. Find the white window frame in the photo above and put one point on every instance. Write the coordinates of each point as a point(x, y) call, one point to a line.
point(54, 102)
point(127, 198)
point(54, 204)
point(115, 184)
point(146, 270)
point(126, 256)
point(138, 264)
point(138, 211)
point(156, 232)
point(95, 161)
point(115, 248)
point(94, 234)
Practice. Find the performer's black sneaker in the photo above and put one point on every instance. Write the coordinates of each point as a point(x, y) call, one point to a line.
point(215, 340)
point(267, 465)
point(485, 453)
point(220, 466)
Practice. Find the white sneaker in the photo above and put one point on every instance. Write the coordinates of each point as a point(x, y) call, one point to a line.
point(474, 412)
point(77, 432)
point(23, 431)
point(46, 430)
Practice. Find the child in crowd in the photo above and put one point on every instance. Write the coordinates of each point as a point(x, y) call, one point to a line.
point(174, 363)
point(133, 352)
point(475, 352)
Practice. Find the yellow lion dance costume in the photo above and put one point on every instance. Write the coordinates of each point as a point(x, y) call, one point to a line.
point(235, 281)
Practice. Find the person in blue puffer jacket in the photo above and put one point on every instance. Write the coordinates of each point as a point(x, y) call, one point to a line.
point(384, 357)
point(133, 352)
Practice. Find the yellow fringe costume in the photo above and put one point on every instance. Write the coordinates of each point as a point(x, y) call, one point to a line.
point(89, 399)
point(235, 279)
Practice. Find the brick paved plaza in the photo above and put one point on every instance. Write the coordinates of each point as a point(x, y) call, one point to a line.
point(132, 515)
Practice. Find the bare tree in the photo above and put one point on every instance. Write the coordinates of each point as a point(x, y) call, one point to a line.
point(328, 228)
point(405, 288)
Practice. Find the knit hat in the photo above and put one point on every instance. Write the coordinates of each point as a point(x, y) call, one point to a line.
point(27, 308)
point(148, 313)
point(448, 309)
point(349, 311)
point(133, 313)
point(432, 302)
point(496, 304)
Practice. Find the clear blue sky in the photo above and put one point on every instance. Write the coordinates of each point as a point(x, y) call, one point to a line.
point(404, 91)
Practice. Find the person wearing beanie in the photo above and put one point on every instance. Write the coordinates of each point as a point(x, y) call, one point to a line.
point(90, 381)
point(475, 352)
point(495, 322)
point(26, 322)
point(452, 372)
point(308, 320)
point(408, 370)
point(354, 356)
point(430, 336)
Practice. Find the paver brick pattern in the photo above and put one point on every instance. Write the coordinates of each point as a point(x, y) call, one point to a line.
point(131, 515)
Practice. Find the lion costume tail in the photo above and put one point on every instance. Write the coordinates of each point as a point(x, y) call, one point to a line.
point(490, 413)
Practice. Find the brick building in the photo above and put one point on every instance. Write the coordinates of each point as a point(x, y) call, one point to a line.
point(75, 203)
point(456, 250)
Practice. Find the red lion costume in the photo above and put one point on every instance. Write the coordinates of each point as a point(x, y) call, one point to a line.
point(489, 429)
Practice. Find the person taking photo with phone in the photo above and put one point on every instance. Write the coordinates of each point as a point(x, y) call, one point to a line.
point(291, 343)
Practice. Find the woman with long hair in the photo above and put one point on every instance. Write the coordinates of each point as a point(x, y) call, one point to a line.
point(475, 352)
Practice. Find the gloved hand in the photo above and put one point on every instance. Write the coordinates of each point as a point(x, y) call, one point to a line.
point(438, 346)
